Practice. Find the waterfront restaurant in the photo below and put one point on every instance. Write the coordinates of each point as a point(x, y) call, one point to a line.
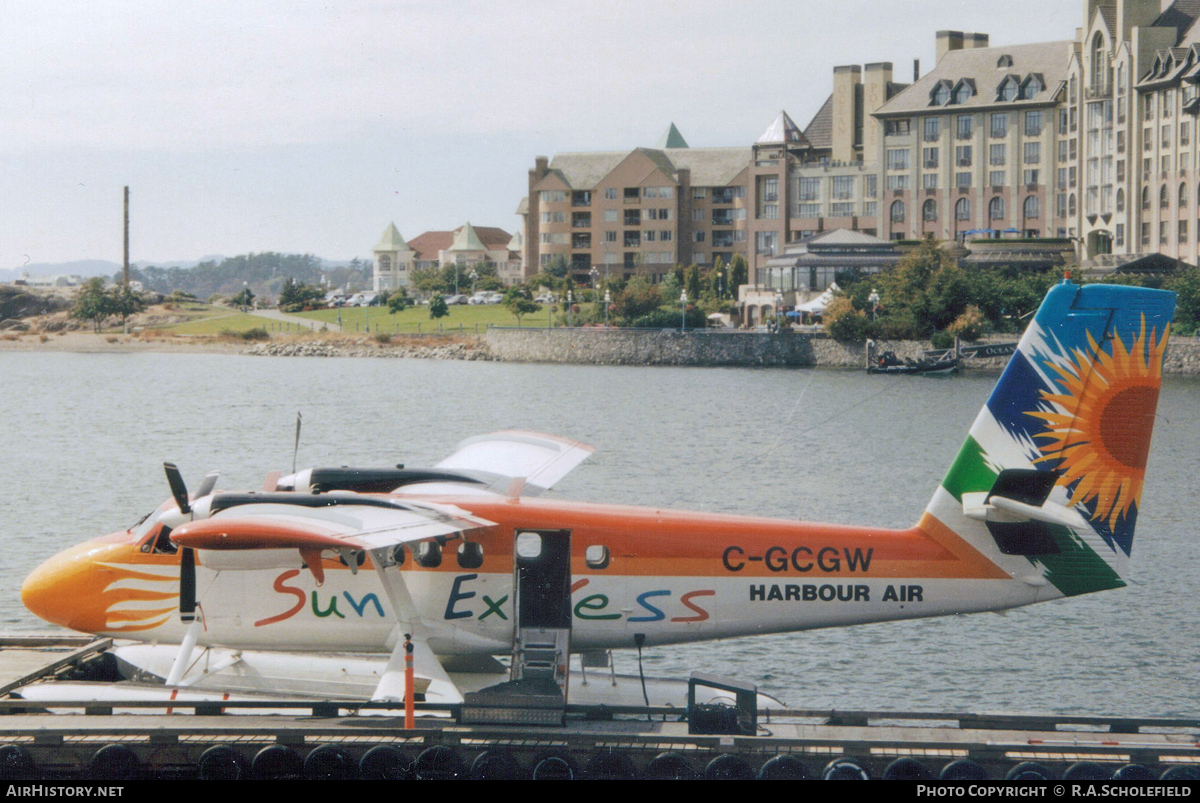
point(813, 264)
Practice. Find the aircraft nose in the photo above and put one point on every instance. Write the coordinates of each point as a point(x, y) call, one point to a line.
point(66, 589)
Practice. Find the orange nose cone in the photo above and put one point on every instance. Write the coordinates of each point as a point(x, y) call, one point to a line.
point(69, 589)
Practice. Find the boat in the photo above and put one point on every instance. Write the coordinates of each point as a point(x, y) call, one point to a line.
point(932, 362)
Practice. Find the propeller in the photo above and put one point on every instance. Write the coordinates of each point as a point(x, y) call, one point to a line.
point(187, 571)
point(178, 487)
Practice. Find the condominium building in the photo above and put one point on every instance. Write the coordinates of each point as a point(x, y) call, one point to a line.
point(637, 212)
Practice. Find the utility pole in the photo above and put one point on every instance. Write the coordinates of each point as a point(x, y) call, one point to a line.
point(125, 318)
point(127, 239)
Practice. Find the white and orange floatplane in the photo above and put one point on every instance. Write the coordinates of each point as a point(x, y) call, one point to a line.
point(286, 588)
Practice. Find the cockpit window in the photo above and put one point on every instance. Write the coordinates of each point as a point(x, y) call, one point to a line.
point(143, 527)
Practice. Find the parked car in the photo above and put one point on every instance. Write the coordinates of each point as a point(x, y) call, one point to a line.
point(495, 298)
point(456, 299)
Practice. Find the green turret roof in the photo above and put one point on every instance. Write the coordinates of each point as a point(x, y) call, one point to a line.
point(391, 240)
point(467, 240)
point(671, 138)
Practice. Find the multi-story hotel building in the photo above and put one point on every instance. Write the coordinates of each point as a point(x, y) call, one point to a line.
point(1092, 139)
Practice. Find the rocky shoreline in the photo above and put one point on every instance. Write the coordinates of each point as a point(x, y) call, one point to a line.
point(615, 347)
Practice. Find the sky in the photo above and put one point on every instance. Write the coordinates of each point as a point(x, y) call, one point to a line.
point(306, 127)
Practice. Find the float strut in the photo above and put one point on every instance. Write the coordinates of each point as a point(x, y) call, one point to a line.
point(409, 681)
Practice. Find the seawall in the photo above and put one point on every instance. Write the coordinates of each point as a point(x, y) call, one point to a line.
point(716, 348)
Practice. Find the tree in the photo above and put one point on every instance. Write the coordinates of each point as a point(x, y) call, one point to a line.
point(691, 282)
point(438, 307)
point(558, 267)
point(244, 298)
point(739, 274)
point(93, 303)
point(520, 304)
point(398, 301)
point(124, 302)
point(1186, 283)
point(428, 280)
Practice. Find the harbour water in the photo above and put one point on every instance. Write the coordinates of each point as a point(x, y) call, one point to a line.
point(84, 437)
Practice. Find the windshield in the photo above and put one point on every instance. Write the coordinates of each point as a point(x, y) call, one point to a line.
point(143, 527)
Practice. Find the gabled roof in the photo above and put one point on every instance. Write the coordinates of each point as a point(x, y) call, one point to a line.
point(517, 243)
point(391, 240)
point(781, 131)
point(430, 243)
point(978, 65)
point(710, 167)
point(467, 240)
point(671, 138)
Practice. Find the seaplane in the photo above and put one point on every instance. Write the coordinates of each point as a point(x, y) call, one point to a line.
point(325, 581)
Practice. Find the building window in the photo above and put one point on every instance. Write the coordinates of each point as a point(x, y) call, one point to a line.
point(941, 95)
point(1183, 231)
point(843, 187)
point(965, 126)
point(553, 196)
point(962, 155)
point(770, 212)
point(1008, 90)
point(897, 213)
point(999, 124)
point(842, 210)
point(1164, 199)
point(996, 178)
point(872, 186)
point(962, 179)
point(699, 193)
point(810, 188)
point(897, 182)
point(897, 159)
point(1033, 153)
point(808, 210)
point(1032, 208)
point(962, 93)
point(931, 158)
point(699, 236)
point(610, 194)
point(1033, 122)
point(1120, 200)
point(929, 210)
point(962, 209)
point(996, 208)
point(1032, 178)
point(764, 242)
point(894, 128)
point(929, 181)
point(610, 236)
point(1071, 205)
point(1060, 205)
point(932, 129)
point(997, 154)
point(610, 216)
point(1120, 238)
point(1183, 196)
point(1185, 133)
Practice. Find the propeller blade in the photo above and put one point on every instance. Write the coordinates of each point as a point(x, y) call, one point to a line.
point(187, 585)
point(178, 487)
point(207, 484)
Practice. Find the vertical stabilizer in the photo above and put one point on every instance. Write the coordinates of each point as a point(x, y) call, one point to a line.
point(1048, 484)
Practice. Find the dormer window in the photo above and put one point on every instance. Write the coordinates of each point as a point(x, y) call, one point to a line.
point(962, 93)
point(1008, 89)
point(1031, 87)
point(1003, 62)
point(940, 95)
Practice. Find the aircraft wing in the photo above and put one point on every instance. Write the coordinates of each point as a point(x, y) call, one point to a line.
point(342, 526)
point(539, 459)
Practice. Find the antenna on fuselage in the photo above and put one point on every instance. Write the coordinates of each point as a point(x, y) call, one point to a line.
point(296, 449)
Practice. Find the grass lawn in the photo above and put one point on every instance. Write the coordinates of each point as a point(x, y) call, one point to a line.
point(223, 319)
point(471, 318)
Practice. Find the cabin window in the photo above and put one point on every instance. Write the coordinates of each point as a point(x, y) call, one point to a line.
point(529, 545)
point(429, 554)
point(596, 556)
point(470, 555)
point(358, 556)
point(398, 554)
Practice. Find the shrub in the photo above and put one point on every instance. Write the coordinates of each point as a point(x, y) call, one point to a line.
point(941, 340)
point(383, 337)
point(257, 333)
